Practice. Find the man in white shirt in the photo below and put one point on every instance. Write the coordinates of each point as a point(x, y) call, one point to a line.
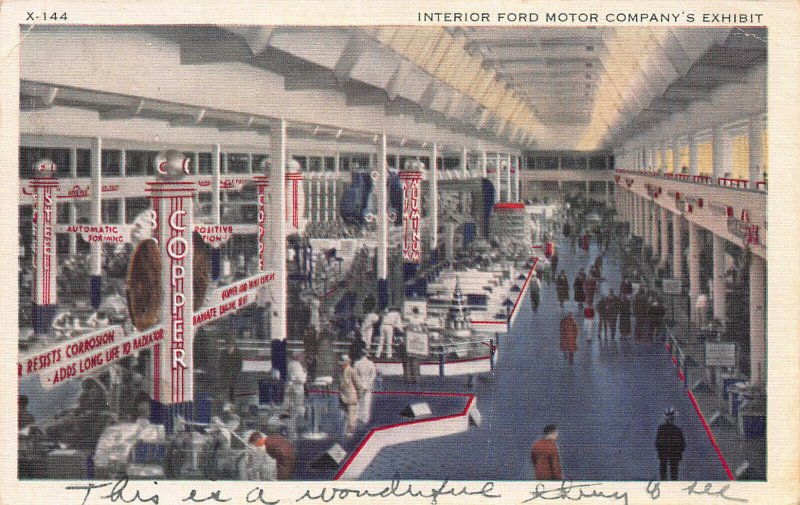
point(367, 330)
point(295, 385)
point(391, 320)
point(366, 373)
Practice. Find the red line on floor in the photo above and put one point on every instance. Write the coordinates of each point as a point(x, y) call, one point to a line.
point(711, 436)
point(488, 322)
point(706, 427)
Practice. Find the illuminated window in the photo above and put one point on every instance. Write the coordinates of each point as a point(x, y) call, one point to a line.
point(670, 158)
point(685, 157)
point(705, 155)
point(741, 157)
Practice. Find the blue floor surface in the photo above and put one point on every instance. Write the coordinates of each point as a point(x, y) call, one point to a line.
point(607, 406)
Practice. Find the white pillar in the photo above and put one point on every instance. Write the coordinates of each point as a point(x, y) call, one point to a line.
point(464, 160)
point(655, 220)
point(433, 211)
point(334, 184)
point(318, 213)
point(123, 172)
point(662, 167)
point(278, 227)
point(336, 171)
point(484, 163)
point(719, 279)
point(758, 320)
point(517, 178)
point(497, 192)
point(508, 168)
point(327, 200)
point(646, 222)
point(677, 246)
point(755, 143)
point(664, 258)
point(216, 170)
point(649, 159)
point(721, 145)
point(694, 156)
point(383, 221)
point(694, 265)
point(309, 203)
point(96, 206)
point(73, 210)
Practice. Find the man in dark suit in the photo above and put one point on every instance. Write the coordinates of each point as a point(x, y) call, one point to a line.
point(670, 445)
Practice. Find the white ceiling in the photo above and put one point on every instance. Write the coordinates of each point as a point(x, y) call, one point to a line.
point(573, 88)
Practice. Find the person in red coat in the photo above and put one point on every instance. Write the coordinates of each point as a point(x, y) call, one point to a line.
point(569, 337)
point(544, 456)
point(279, 449)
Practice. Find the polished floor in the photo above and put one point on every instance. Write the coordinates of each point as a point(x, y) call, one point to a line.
point(607, 406)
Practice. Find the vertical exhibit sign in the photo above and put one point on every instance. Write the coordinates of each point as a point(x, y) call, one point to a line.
point(411, 184)
point(172, 203)
point(262, 183)
point(44, 189)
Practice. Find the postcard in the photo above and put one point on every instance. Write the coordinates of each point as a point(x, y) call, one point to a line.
point(402, 252)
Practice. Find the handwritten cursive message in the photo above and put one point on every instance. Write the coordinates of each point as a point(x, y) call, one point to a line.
point(142, 492)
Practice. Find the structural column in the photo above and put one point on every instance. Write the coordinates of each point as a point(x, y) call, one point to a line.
point(336, 172)
point(677, 246)
point(647, 236)
point(464, 160)
point(662, 166)
point(96, 218)
point(278, 190)
point(758, 319)
point(73, 211)
point(383, 226)
point(694, 265)
point(755, 142)
point(497, 184)
point(216, 170)
point(123, 172)
point(719, 279)
point(318, 213)
point(655, 221)
point(510, 170)
point(721, 146)
point(433, 211)
point(664, 257)
point(484, 164)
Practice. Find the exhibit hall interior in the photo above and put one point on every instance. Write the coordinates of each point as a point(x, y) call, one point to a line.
point(325, 253)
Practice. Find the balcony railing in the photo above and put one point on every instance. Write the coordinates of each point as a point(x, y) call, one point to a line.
point(728, 182)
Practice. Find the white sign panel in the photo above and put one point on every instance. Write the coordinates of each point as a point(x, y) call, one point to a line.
point(417, 343)
point(720, 354)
